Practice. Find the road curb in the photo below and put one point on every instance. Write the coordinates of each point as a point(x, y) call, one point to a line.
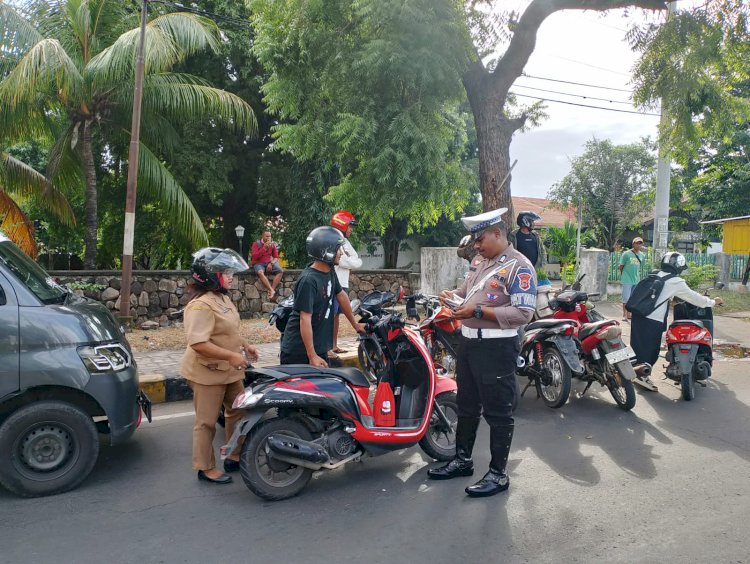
point(165, 388)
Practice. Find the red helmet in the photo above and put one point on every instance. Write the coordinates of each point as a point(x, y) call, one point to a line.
point(343, 219)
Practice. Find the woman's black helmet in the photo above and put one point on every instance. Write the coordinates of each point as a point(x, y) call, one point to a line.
point(527, 219)
point(323, 243)
point(210, 264)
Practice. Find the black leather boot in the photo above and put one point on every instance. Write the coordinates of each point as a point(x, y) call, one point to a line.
point(462, 464)
point(492, 483)
point(496, 480)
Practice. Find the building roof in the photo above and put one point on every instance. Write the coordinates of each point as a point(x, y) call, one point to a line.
point(726, 219)
point(551, 215)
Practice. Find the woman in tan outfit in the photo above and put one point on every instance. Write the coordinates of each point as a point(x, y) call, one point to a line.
point(216, 356)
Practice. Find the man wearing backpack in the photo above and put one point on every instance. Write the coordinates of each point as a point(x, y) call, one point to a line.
point(649, 304)
point(630, 272)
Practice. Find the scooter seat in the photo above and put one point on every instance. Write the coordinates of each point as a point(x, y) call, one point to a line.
point(547, 323)
point(590, 328)
point(349, 374)
point(687, 322)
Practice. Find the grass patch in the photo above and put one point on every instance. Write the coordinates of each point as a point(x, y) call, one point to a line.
point(733, 301)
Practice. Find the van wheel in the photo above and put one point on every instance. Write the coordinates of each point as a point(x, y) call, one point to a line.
point(47, 448)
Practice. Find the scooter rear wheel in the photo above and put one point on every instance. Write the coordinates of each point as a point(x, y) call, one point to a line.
point(553, 386)
point(266, 476)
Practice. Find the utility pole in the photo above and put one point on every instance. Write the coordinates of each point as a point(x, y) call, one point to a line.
point(661, 207)
point(132, 188)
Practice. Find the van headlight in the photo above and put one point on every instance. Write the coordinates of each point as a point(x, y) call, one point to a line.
point(105, 358)
point(246, 400)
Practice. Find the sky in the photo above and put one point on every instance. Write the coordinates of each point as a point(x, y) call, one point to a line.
point(583, 47)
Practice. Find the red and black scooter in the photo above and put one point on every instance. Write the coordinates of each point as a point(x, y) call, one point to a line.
point(299, 418)
point(690, 347)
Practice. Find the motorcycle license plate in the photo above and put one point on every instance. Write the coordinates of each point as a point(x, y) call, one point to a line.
point(618, 356)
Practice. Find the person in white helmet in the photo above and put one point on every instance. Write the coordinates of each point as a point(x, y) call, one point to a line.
point(646, 333)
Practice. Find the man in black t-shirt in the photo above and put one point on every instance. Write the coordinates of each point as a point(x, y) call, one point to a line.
point(526, 241)
point(308, 335)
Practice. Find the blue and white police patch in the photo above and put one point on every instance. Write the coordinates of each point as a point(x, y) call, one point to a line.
point(523, 289)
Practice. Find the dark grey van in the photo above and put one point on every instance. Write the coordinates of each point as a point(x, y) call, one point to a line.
point(67, 375)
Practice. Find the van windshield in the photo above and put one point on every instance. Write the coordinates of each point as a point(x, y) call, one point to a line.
point(31, 274)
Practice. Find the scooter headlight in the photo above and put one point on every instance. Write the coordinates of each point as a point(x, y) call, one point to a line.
point(246, 400)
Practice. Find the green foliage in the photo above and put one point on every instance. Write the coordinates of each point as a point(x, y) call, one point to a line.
point(692, 66)
point(72, 62)
point(612, 183)
point(85, 286)
point(561, 242)
point(541, 274)
point(370, 91)
point(568, 274)
point(696, 276)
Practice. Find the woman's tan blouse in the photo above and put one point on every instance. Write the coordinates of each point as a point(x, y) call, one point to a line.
point(213, 318)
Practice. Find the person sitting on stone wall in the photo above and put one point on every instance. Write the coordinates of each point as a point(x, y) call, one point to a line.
point(264, 256)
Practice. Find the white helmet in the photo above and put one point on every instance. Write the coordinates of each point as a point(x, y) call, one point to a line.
point(673, 262)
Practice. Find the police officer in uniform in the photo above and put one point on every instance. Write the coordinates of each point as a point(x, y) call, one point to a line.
point(498, 296)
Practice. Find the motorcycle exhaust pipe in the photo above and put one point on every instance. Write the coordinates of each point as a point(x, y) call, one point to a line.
point(297, 451)
point(643, 370)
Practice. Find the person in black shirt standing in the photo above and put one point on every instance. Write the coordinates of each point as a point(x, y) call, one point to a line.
point(308, 335)
point(526, 241)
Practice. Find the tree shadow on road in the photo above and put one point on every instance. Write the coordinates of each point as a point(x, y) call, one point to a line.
point(716, 419)
point(559, 437)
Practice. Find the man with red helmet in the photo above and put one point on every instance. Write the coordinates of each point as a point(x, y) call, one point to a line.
point(344, 221)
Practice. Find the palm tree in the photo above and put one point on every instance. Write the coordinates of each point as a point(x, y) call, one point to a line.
point(20, 180)
point(75, 59)
point(561, 242)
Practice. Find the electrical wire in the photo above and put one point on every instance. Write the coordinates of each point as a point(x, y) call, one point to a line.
point(574, 95)
point(576, 83)
point(585, 105)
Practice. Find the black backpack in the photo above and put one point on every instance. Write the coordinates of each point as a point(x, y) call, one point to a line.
point(644, 299)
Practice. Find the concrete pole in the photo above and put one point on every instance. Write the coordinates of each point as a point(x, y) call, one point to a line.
point(132, 186)
point(661, 205)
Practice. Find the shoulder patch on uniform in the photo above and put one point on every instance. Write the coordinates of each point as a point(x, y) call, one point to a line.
point(524, 278)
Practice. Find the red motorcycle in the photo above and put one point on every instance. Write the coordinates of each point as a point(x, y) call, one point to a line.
point(440, 331)
point(606, 358)
point(690, 347)
point(300, 418)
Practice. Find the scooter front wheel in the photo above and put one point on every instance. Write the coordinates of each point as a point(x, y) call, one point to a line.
point(440, 442)
point(263, 474)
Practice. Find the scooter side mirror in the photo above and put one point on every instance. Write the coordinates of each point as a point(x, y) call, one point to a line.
point(356, 304)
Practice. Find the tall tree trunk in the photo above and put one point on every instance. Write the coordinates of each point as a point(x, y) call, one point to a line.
point(494, 134)
point(89, 170)
point(488, 91)
point(391, 240)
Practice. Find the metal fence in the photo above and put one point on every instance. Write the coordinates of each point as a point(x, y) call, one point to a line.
point(648, 264)
point(737, 267)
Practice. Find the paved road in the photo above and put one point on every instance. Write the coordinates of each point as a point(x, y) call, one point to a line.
point(669, 481)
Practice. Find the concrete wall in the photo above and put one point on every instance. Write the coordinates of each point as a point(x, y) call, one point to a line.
point(595, 263)
point(408, 255)
point(157, 293)
point(441, 268)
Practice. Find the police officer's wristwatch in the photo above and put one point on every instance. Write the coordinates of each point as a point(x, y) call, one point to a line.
point(478, 312)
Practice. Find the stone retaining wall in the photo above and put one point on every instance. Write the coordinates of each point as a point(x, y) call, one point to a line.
point(157, 293)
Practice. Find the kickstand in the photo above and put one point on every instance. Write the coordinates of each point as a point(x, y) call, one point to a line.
point(527, 387)
point(586, 389)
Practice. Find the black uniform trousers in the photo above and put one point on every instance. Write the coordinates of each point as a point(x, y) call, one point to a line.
point(486, 379)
